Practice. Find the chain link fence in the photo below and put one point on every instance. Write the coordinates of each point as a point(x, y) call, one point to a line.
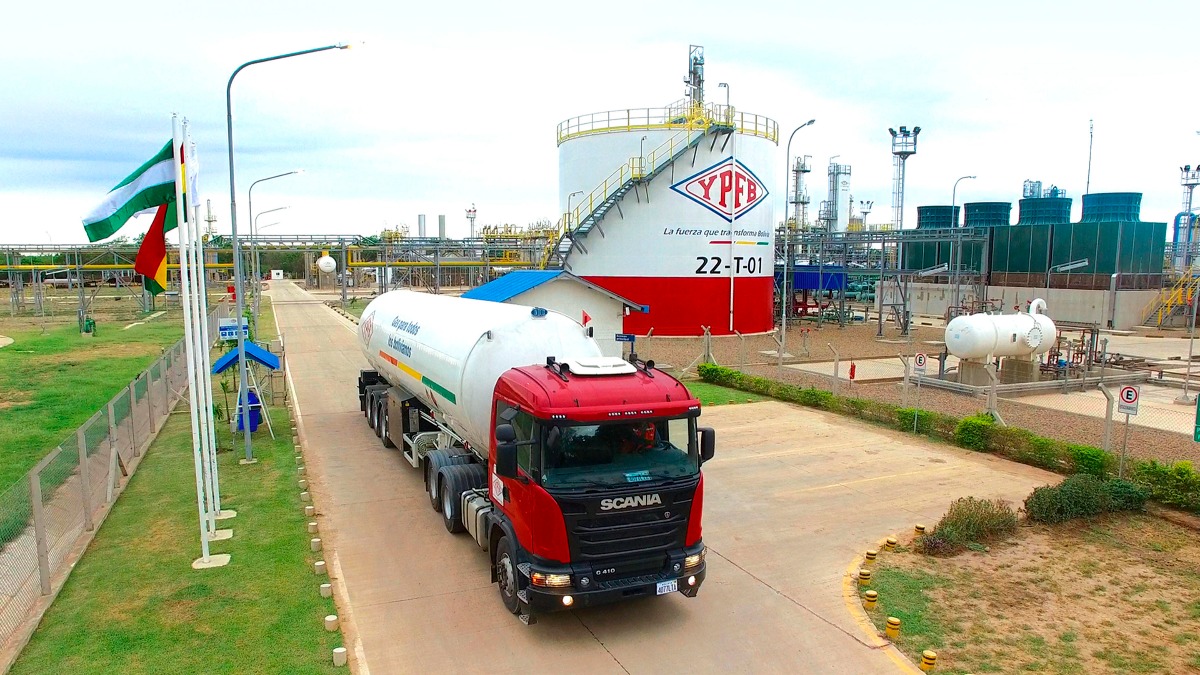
point(48, 516)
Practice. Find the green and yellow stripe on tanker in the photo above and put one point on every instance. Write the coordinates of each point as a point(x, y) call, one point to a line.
point(411, 372)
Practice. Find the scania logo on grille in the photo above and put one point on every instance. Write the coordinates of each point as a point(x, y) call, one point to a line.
point(614, 503)
point(727, 188)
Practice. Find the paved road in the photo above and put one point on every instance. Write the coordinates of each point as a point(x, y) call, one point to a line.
point(791, 500)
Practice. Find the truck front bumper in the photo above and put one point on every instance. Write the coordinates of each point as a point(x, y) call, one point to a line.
point(586, 591)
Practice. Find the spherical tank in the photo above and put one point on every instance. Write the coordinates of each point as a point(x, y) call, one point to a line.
point(685, 212)
point(978, 336)
point(326, 264)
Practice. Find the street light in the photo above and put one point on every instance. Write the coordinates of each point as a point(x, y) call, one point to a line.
point(787, 241)
point(255, 271)
point(240, 300)
point(260, 214)
point(958, 242)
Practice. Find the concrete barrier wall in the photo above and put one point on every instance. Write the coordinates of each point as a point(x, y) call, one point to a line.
point(1063, 304)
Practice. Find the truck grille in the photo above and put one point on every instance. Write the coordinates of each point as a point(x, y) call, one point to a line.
point(600, 536)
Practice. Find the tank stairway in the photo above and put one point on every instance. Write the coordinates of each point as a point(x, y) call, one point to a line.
point(577, 223)
point(1173, 304)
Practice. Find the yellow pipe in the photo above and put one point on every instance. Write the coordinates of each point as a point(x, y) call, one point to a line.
point(92, 267)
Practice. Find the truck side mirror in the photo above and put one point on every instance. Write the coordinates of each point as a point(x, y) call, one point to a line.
point(505, 433)
point(708, 443)
point(506, 459)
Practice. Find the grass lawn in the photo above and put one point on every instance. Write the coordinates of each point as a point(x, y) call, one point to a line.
point(135, 605)
point(1117, 594)
point(53, 380)
point(713, 394)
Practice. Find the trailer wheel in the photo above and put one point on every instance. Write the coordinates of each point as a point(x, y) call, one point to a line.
point(379, 418)
point(370, 411)
point(450, 487)
point(507, 577)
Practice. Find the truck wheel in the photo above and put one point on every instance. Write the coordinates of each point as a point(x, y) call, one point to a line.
point(507, 576)
point(450, 488)
point(379, 419)
point(434, 461)
point(370, 411)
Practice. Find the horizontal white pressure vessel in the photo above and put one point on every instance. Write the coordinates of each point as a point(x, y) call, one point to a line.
point(977, 336)
point(326, 264)
point(449, 351)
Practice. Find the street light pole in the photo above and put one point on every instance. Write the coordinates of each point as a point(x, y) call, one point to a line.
point(255, 272)
point(785, 297)
point(957, 242)
point(240, 300)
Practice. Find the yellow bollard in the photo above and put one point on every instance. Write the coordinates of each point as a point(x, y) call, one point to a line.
point(919, 529)
point(869, 600)
point(870, 558)
point(890, 545)
point(928, 660)
point(864, 577)
point(893, 628)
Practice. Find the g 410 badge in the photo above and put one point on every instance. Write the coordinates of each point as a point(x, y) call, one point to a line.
point(727, 188)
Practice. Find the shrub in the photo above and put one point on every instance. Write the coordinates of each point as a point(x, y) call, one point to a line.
point(1175, 484)
point(1091, 460)
point(711, 372)
point(815, 398)
point(1125, 496)
point(973, 432)
point(1078, 496)
point(970, 521)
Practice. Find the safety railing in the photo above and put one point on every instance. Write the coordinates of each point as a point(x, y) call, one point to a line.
point(1169, 299)
point(676, 115)
point(67, 495)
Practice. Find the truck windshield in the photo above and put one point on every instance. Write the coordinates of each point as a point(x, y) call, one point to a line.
point(620, 453)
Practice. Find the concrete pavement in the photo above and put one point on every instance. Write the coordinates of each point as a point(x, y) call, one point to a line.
point(791, 499)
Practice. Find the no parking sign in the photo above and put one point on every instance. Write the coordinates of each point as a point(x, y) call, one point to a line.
point(1127, 400)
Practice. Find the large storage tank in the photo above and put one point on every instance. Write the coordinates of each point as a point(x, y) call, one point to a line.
point(672, 208)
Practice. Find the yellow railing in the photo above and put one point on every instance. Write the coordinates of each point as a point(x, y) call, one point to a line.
point(674, 116)
point(1180, 294)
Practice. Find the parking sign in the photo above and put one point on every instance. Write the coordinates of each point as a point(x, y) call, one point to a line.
point(1127, 400)
point(919, 363)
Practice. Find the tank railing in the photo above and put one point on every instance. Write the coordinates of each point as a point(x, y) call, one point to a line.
point(675, 115)
point(1180, 294)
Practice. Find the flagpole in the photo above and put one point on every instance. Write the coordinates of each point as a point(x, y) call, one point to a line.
point(185, 299)
point(199, 351)
point(206, 340)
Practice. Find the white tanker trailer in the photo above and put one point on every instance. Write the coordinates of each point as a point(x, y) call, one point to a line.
point(979, 336)
point(578, 473)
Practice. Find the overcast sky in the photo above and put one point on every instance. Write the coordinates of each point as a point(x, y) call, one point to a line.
point(449, 104)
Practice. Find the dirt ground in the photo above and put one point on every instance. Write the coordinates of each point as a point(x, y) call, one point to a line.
point(1119, 594)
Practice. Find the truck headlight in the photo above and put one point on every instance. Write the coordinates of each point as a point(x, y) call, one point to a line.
point(550, 580)
point(693, 561)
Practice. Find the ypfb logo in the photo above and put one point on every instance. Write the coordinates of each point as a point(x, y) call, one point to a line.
point(366, 328)
point(726, 188)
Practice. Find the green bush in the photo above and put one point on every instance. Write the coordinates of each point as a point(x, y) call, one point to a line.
point(815, 398)
point(1175, 484)
point(1091, 460)
point(973, 432)
point(1081, 496)
point(907, 418)
point(1125, 496)
point(711, 372)
point(970, 521)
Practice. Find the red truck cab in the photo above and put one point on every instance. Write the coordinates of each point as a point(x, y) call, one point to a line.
point(597, 487)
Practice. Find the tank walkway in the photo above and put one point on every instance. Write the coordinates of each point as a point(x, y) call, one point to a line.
point(783, 519)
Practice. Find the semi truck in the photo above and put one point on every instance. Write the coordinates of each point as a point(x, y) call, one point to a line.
point(578, 474)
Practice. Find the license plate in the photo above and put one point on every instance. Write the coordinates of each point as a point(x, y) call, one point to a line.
point(665, 587)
